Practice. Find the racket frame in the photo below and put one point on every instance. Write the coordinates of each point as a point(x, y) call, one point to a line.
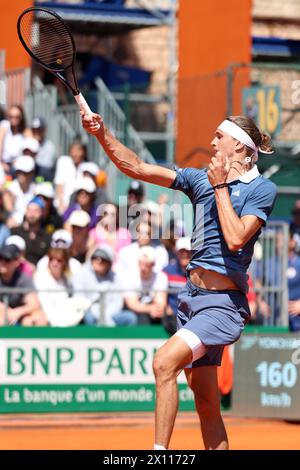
point(57, 73)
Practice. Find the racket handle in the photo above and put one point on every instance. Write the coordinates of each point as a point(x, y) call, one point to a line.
point(84, 106)
point(82, 103)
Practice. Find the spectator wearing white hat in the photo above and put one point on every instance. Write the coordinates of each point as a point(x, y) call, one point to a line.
point(91, 170)
point(21, 190)
point(146, 292)
point(30, 147)
point(78, 222)
point(61, 239)
point(97, 275)
point(128, 256)
point(25, 266)
point(46, 156)
point(51, 219)
point(85, 200)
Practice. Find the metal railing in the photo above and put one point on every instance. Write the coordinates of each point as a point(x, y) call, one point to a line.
point(64, 125)
point(15, 84)
point(268, 270)
point(41, 100)
point(101, 297)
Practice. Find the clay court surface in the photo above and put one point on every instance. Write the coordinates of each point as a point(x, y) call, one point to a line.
point(133, 431)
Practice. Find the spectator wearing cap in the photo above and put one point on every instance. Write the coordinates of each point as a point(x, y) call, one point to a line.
point(12, 137)
point(91, 170)
point(176, 273)
point(97, 275)
point(79, 222)
point(36, 238)
point(46, 156)
point(132, 210)
point(128, 256)
point(54, 283)
point(146, 292)
point(21, 190)
point(51, 219)
point(135, 193)
point(23, 308)
point(66, 173)
point(25, 266)
point(30, 147)
point(85, 200)
point(108, 230)
point(61, 239)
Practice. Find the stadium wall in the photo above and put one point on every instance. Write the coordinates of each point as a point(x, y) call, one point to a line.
point(212, 36)
point(16, 57)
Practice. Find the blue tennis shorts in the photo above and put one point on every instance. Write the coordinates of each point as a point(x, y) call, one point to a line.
point(217, 318)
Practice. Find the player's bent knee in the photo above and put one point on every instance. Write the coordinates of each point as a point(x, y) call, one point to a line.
point(172, 357)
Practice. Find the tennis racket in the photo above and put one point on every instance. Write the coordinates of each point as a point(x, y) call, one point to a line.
point(51, 44)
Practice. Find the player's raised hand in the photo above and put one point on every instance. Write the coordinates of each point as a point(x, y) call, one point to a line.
point(218, 171)
point(92, 123)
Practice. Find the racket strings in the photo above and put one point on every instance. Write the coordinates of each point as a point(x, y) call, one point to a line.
point(49, 41)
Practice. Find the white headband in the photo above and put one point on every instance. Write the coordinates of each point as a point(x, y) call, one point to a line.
point(239, 134)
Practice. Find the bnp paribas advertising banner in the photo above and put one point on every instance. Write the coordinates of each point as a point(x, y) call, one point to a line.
point(81, 369)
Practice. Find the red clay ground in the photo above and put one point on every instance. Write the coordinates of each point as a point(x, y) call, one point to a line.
point(135, 431)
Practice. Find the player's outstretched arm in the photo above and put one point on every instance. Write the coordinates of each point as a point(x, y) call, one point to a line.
point(125, 159)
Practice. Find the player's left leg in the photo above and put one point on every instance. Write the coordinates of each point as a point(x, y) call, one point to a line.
point(203, 381)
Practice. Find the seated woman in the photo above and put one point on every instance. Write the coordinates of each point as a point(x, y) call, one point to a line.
point(84, 200)
point(54, 285)
point(108, 230)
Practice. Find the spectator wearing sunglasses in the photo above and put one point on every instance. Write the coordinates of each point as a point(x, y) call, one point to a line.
point(54, 284)
point(97, 275)
point(61, 239)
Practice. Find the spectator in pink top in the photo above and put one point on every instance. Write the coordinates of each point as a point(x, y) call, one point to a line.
point(108, 230)
point(25, 266)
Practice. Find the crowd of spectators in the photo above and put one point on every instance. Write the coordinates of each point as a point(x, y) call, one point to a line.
point(72, 256)
point(63, 243)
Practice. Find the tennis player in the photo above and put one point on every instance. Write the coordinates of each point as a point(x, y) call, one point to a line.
point(235, 201)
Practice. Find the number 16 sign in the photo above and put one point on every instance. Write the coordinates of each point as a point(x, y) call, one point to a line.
point(262, 104)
